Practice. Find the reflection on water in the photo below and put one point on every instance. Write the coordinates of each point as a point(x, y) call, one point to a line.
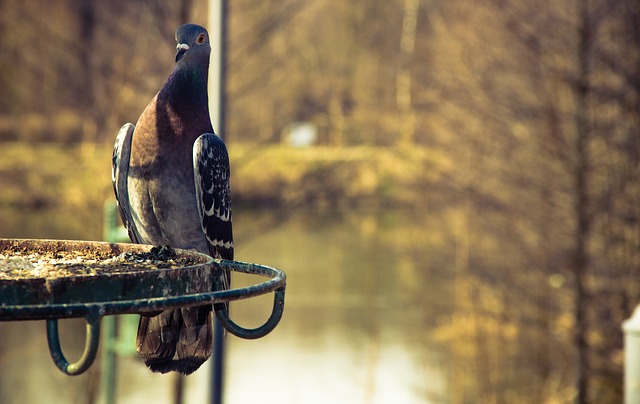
point(355, 327)
point(364, 292)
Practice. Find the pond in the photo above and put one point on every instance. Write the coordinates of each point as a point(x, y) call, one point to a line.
point(370, 295)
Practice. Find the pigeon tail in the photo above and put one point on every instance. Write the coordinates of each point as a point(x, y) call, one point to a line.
point(176, 340)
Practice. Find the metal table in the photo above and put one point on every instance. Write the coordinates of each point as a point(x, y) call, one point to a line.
point(134, 292)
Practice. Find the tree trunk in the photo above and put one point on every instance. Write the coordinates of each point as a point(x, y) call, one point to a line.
point(581, 205)
point(403, 77)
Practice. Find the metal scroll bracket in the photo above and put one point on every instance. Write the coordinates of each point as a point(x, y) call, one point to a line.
point(90, 346)
point(276, 314)
point(277, 283)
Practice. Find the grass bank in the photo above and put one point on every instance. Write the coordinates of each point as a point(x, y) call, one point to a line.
point(44, 175)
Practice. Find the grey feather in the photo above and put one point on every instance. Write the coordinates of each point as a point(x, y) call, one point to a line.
point(211, 177)
point(119, 176)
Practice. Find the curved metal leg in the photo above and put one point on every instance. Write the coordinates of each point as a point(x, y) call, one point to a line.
point(90, 346)
point(278, 308)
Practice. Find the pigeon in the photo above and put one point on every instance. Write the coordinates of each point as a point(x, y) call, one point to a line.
point(170, 176)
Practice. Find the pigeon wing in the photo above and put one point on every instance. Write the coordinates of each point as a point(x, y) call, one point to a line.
point(119, 174)
point(211, 174)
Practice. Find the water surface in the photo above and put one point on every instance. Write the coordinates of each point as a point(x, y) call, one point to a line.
point(364, 293)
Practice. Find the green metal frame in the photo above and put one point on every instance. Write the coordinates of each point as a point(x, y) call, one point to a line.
point(93, 312)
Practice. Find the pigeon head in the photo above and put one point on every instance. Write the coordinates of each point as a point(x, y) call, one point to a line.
point(193, 44)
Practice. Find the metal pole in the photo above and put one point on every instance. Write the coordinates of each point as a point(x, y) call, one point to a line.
point(109, 323)
point(631, 330)
point(217, 71)
point(109, 360)
point(217, 66)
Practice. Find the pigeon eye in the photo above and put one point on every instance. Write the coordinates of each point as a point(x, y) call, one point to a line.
point(200, 39)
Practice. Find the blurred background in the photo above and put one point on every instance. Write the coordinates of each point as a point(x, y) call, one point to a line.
point(451, 186)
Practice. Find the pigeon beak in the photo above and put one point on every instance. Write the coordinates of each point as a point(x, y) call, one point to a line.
point(181, 49)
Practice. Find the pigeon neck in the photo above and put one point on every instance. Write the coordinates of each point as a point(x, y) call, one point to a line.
point(186, 88)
